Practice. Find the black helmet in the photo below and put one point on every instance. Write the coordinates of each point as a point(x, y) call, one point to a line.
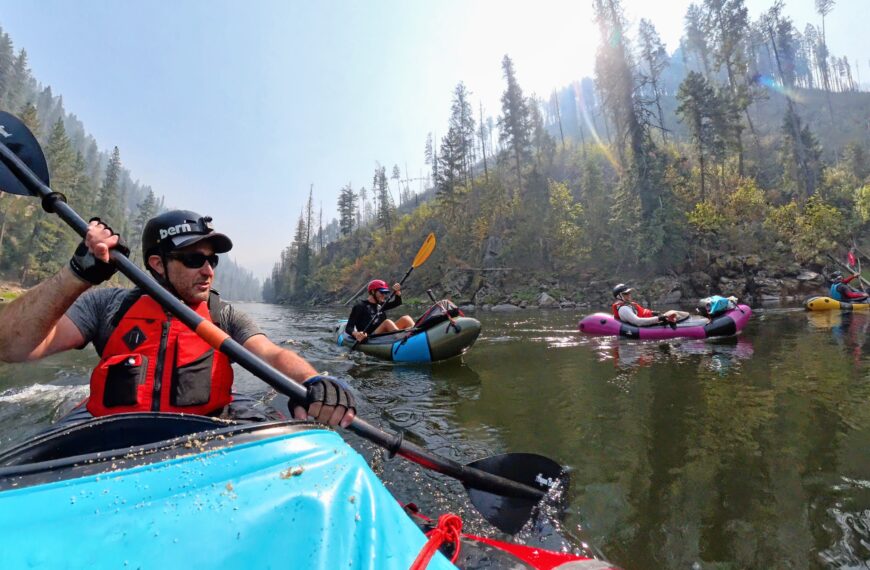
point(836, 276)
point(179, 228)
point(620, 289)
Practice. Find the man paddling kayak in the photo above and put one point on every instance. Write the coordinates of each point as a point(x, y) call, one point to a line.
point(627, 311)
point(368, 316)
point(150, 361)
point(842, 291)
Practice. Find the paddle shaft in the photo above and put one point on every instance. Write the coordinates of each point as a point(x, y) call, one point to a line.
point(355, 295)
point(53, 202)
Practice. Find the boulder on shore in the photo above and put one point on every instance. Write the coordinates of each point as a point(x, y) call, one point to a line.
point(545, 301)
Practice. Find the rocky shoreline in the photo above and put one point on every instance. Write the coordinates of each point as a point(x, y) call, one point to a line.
point(745, 277)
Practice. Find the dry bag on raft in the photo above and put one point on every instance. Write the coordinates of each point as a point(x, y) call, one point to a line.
point(714, 306)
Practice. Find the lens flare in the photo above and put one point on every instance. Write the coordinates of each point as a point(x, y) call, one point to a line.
point(770, 83)
point(584, 111)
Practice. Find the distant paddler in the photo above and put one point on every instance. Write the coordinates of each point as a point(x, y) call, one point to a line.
point(625, 309)
point(369, 313)
point(842, 291)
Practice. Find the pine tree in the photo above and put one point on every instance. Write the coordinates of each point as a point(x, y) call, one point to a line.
point(542, 143)
point(385, 208)
point(798, 156)
point(147, 210)
point(451, 169)
point(811, 38)
point(514, 121)
point(728, 24)
point(431, 155)
point(699, 108)
point(365, 213)
point(347, 209)
point(50, 109)
point(655, 59)
point(7, 69)
point(482, 135)
point(15, 237)
point(397, 176)
point(557, 112)
point(696, 37)
point(84, 191)
point(857, 161)
point(613, 69)
point(61, 159)
point(300, 264)
point(109, 197)
point(17, 94)
point(309, 212)
point(55, 241)
point(462, 126)
point(823, 8)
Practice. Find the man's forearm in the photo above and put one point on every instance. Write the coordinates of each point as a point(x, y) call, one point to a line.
point(27, 320)
point(292, 365)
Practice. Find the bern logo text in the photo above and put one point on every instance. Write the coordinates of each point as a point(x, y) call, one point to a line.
point(175, 230)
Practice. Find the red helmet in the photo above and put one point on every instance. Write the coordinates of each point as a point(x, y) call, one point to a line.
point(378, 285)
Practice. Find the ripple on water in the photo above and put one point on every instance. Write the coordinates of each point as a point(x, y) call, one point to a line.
point(729, 423)
point(852, 548)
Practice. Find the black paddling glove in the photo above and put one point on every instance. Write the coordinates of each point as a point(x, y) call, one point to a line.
point(91, 269)
point(328, 391)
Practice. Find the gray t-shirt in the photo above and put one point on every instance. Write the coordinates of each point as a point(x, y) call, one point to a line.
point(92, 313)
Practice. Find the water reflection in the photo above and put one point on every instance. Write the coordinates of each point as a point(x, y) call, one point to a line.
point(849, 330)
point(718, 355)
point(749, 452)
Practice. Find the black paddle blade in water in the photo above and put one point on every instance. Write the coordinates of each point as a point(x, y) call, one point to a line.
point(18, 138)
point(509, 514)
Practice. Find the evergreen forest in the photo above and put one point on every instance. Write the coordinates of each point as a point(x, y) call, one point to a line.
point(742, 151)
point(34, 245)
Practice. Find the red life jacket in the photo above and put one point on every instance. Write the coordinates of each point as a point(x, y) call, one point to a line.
point(638, 310)
point(154, 363)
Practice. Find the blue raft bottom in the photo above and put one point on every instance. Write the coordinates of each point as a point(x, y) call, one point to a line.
point(300, 500)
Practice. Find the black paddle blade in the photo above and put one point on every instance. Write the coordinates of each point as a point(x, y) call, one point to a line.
point(509, 514)
point(18, 138)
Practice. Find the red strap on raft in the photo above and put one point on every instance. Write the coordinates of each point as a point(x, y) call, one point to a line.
point(449, 529)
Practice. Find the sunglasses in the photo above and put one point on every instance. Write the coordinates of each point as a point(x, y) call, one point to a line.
point(195, 260)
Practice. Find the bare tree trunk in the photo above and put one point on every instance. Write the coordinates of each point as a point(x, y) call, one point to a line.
point(320, 227)
point(809, 183)
point(701, 167)
point(558, 117)
point(483, 145)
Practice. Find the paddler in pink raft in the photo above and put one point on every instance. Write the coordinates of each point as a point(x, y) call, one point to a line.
point(626, 310)
point(719, 316)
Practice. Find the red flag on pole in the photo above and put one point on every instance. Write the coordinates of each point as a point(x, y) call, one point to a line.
point(851, 259)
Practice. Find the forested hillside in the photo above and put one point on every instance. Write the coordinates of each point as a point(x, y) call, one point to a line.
point(34, 245)
point(739, 158)
point(235, 283)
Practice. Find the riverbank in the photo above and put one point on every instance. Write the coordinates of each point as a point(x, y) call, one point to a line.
point(745, 277)
point(10, 290)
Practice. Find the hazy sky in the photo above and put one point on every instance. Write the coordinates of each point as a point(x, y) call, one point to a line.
point(235, 109)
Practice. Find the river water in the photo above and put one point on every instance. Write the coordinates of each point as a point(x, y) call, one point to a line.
point(749, 452)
